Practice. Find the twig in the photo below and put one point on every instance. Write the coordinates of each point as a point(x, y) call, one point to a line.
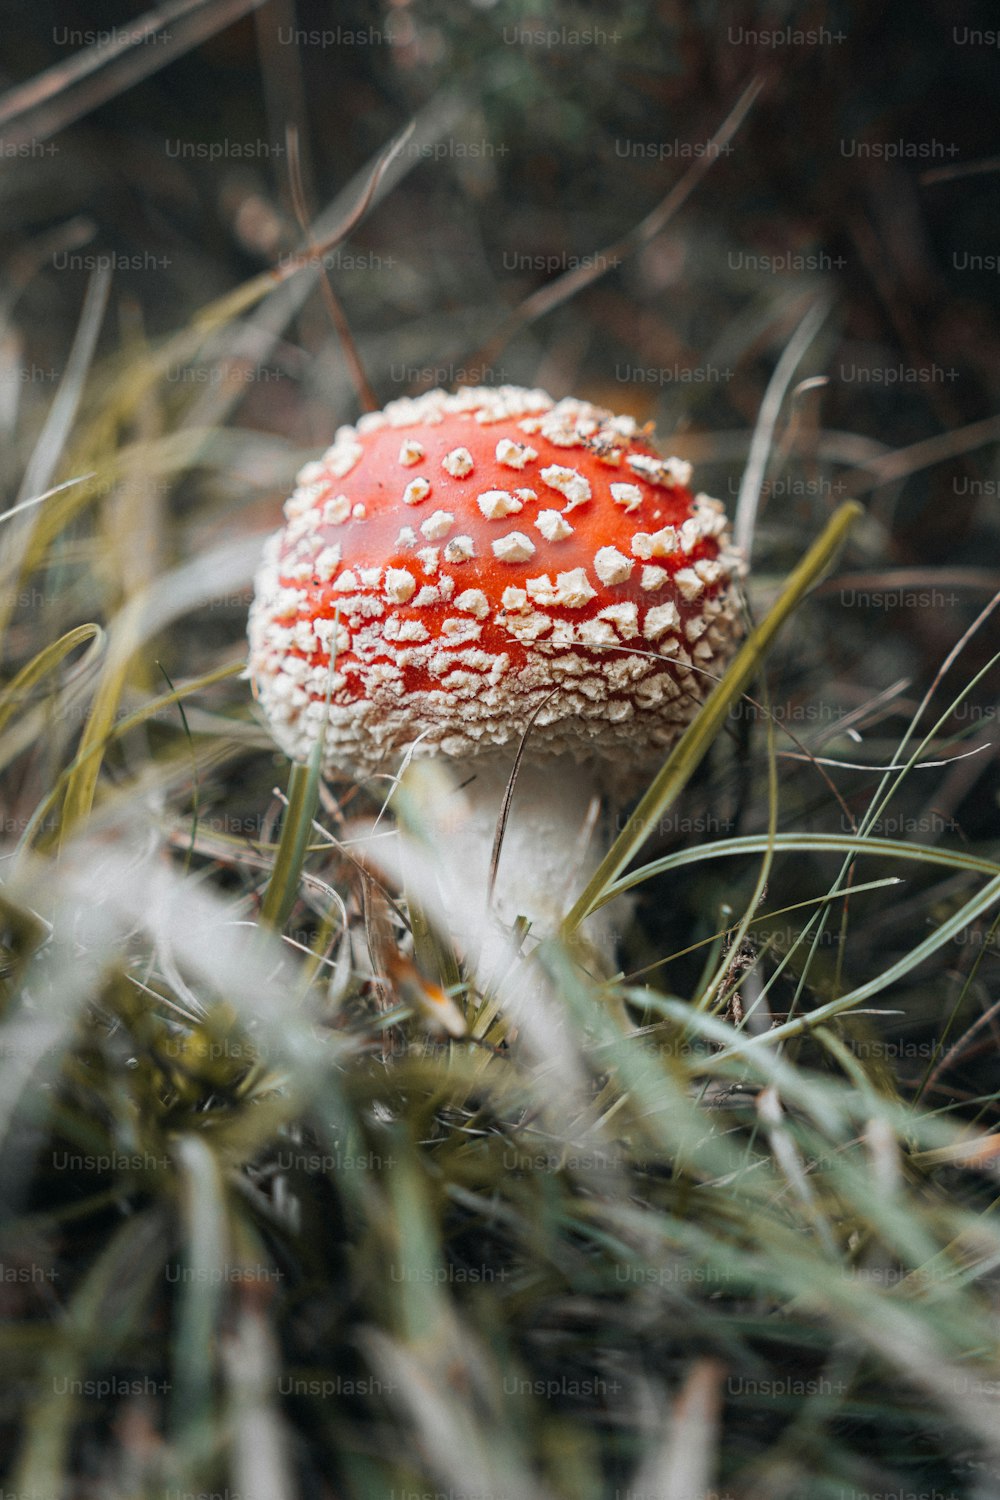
point(330, 299)
point(571, 282)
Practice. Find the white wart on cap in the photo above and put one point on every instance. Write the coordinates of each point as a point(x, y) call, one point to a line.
point(465, 555)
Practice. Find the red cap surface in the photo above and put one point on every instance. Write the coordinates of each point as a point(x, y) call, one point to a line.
point(466, 554)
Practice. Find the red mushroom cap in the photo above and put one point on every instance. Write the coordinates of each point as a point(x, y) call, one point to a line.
point(465, 554)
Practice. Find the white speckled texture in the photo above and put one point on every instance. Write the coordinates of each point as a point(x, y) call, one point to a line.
point(483, 557)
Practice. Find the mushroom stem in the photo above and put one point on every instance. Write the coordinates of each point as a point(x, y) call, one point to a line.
point(552, 843)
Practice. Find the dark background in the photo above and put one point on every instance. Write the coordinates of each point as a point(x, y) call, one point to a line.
point(577, 141)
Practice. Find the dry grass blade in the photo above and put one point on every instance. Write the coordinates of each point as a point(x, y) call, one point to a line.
point(684, 1468)
point(334, 237)
point(252, 1364)
point(121, 727)
point(227, 568)
point(47, 661)
point(52, 438)
point(16, 543)
point(332, 302)
point(961, 169)
point(568, 285)
point(57, 489)
point(508, 798)
point(752, 483)
point(37, 110)
point(889, 468)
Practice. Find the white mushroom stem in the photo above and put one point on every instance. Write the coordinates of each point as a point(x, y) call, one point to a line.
point(552, 844)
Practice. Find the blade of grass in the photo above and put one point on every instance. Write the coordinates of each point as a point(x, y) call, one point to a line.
point(300, 813)
point(66, 92)
point(207, 1240)
point(684, 1465)
point(122, 726)
point(52, 439)
point(803, 843)
point(58, 423)
point(252, 1360)
point(706, 1000)
point(944, 934)
point(195, 800)
point(714, 940)
point(15, 510)
point(885, 792)
point(767, 419)
point(46, 661)
point(303, 800)
point(694, 743)
point(111, 1296)
point(143, 616)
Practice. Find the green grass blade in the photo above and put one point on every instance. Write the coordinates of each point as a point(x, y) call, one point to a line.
point(694, 743)
point(122, 726)
point(711, 991)
point(296, 828)
point(802, 843)
point(944, 934)
point(200, 1297)
point(106, 1307)
point(144, 616)
point(45, 662)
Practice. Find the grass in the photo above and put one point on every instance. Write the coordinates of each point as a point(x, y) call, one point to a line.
point(273, 1228)
point(283, 1217)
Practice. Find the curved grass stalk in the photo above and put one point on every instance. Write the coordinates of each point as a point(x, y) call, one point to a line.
point(944, 934)
point(115, 731)
point(46, 661)
point(694, 743)
point(707, 997)
point(804, 843)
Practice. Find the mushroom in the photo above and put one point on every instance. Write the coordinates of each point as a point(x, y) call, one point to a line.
point(483, 561)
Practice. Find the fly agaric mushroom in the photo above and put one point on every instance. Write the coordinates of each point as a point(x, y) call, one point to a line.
point(478, 558)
